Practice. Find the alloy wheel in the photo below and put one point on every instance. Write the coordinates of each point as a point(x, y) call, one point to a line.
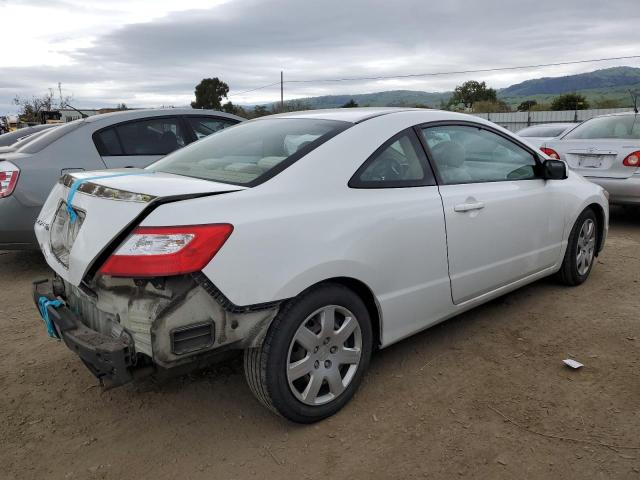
point(324, 355)
point(586, 246)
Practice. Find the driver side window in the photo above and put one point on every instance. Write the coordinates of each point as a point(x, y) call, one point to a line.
point(399, 162)
point(465, 154)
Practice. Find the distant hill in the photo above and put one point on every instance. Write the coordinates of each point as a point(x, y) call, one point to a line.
point(605, 78)
point(391, 98)
point(605, 84)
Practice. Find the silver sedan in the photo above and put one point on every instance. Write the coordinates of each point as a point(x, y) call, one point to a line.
point(606, 151)
point(133, 138)
point(537, 135)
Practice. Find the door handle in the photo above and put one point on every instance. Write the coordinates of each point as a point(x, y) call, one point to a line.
point(466, 207)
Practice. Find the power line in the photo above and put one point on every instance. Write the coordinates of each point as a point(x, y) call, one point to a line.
point(434, 74)
point(482, 70)
point(253, 89)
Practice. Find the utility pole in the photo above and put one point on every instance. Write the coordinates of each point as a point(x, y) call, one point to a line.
point(281, 91)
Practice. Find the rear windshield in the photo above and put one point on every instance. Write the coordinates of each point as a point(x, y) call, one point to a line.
point(251, 152)
point(49, 136)
point(546, 131)
point(615, 126)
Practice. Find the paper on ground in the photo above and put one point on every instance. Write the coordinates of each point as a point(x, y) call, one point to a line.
point(572, 363)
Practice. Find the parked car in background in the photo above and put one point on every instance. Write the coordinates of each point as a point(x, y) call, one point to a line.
point(133, 138)
point(536, 135)
point(606, 151)
point(8, 139)
point(307, 240)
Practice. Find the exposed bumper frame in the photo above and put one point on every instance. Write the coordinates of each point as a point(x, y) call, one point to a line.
point(109, 359)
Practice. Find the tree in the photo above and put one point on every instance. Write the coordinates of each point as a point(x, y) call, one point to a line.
point(608, 103)
point(485, 106)
point(471, 92)
point(31, 108)
point(122, 106)
point(260, 111)
point(350, 104)
point(570, 101)
point(527, 105)
point(209, 93)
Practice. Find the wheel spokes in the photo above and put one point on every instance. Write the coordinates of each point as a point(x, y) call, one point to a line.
point(348, 356)
point(346, 329)
point(310, 393)
point(300, 368)
point(324, 355)
point(306, 338)
point(336, 387)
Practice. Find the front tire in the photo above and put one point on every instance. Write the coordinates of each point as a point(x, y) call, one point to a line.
point(581, 250)
point(314, 355)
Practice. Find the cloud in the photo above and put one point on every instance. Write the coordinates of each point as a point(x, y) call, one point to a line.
point(150, 61)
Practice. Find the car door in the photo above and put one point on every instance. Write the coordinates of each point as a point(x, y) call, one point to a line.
point(139, 143)
point(408, 241)
point(501, 218)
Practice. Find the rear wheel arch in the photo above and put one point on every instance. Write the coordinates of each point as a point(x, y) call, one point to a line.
point(599, 212)
point(366, 295)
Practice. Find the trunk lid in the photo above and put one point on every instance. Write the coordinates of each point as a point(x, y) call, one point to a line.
point(105, 205)
point(597, 158)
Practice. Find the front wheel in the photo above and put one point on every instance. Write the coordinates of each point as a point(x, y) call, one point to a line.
point(314, 355)
point(581, 250)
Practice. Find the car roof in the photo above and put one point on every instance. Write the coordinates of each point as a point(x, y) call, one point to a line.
point(553, 124)
point(360, 114)
point(618, 114)
point(154, 112)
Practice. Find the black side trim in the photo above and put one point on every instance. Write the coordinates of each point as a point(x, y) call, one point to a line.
point(202, 280)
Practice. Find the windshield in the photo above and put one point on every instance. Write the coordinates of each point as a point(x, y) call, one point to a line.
point(49, 136)
point(614, 126)
point(542, 131)
point(251, 152)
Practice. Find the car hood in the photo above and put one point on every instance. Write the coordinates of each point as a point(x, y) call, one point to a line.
point(108, 204)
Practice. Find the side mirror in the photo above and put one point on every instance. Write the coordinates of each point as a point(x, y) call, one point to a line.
point(554, 170)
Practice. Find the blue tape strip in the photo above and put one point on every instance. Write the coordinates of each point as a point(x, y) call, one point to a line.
point(43, 305)
point(76, 184)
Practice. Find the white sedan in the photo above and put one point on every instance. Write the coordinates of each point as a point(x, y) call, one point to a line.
point(307, 240)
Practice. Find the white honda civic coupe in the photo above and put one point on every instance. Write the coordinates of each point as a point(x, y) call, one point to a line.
point(308, 240)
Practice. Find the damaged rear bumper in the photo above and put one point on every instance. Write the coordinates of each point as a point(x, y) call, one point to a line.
point(109, 359)
point(124, 328)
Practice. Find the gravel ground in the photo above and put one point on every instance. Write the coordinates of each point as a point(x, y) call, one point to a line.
point(484, 395)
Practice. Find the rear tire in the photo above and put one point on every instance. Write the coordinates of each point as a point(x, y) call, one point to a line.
point(580, 255)
point(314, 356)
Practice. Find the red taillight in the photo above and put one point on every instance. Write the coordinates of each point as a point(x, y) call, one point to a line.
point(8, 179)
point(550, 152)
point(632, 160)
point(166, 251)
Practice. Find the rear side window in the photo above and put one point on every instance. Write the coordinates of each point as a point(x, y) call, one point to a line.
point(614, 126)
point(154, 136)
point(203, 126)
point(107, 142)
point(399, 162)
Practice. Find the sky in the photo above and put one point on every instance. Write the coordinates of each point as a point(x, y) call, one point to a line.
point(150, 53)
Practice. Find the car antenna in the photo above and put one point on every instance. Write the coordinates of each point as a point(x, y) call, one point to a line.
point(84, 115)
point(634, 97)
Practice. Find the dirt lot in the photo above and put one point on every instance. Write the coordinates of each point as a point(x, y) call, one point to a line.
point(484, 395)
